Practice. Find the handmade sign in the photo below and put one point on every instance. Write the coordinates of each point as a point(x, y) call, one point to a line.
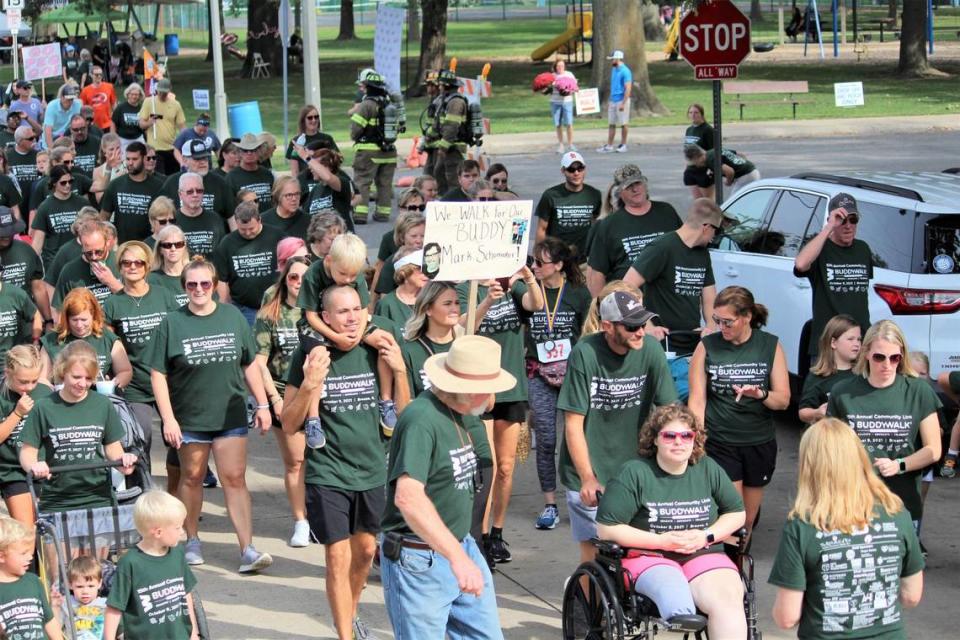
point(41, 61)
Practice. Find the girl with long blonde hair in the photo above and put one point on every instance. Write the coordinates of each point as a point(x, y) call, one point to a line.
point(839, 347)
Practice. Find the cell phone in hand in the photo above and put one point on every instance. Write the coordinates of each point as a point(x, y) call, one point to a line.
point(504, 283)
point(157, 116)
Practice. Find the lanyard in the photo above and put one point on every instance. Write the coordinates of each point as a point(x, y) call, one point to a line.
point(552, 314)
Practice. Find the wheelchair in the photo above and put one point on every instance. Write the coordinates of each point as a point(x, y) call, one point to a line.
point(599, 601)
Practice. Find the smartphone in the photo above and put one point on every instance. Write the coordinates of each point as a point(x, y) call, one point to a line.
point(504, 283)
point(157, 116)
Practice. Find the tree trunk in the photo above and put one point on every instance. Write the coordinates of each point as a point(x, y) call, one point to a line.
point(210, 30)
point(618, 24)
point(755, 12)
point(347, 30)
point(263, 35)
point(652, 27)
point(913, 39)
point(892, 11)
point(413, 20)
point(433, 43)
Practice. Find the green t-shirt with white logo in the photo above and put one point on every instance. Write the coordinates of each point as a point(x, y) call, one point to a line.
point(202, 233)
point(128, 201)
point(66, 253)
point(748, 422)
point(135, 320)
point(77, 273)
point(248, 267)
point(614, 393)
point(888, 423)
point(16, 317)
point(23, 168)
point(54, 217)
point(151, 592)
point(102, 344)
point(433, 447)
point(740, 165)
point(171, 283)
point(293, 227)
point(619, 238)
point(85, 155)
point(277, 340)
point(851, 581)
point(567, 323)
point(260, 181)
point(648, 498)
point(24, 609)
point(10, 469)
point(21, 266)
point(9, 194)
point(569, 214)
point(41, 189)
point(71, 433)
point(817, 389)
point(217, 196)
point(204, 358)
point(323, 197)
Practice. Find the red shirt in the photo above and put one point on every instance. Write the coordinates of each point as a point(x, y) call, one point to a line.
point(102, 99)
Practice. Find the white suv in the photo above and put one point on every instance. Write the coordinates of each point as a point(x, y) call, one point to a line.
point(911, 222)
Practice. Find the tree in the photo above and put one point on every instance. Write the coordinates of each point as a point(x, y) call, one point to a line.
point(347, 30)
point(413, 20)
point(618, 24)
point(913, 40)
point(755, 11)
point(263, 35)
point(433, 43)
point(210, 30)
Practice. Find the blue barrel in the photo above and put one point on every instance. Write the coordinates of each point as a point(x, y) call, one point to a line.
point(244, 117)
point(171, 44)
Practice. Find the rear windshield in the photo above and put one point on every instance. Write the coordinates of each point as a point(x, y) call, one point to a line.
point(941, 244)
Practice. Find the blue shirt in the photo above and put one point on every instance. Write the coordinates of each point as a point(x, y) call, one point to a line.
point(32, 108)
point(57, 118)
point(620, 77)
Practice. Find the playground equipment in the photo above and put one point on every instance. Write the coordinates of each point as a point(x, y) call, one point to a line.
point(579, 30)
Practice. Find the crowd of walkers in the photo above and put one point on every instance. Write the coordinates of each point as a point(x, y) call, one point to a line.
point(216, 301)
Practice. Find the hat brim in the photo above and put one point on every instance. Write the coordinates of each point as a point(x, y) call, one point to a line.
point(441, 378)
point(13, 230)
point(199, 156)
point(248, 147)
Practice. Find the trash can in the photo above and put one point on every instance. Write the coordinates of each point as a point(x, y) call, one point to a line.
point(171, 44)
point(244, 117)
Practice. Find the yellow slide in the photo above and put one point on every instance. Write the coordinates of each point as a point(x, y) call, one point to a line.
point(575, 22)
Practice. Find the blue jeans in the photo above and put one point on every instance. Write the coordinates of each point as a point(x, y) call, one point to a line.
point(249, 313)
point(425, 603)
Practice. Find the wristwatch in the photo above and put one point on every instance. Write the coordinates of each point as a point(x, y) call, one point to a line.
point(902, 465)
point(710, 537)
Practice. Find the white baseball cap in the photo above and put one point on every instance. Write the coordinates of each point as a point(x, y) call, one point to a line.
point(617, 55)
point(569, 158)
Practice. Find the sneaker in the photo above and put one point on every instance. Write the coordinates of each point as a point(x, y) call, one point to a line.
point(192, 552)
point(487, 555)
point(560, 149)
point(949, 468)
point(622, 148)
point(499, 551)
point(301, 534)
point(549, 517)
point(316, 438)
point(360, 630)
point(252, 560)
point(605, 149)
point(572, 147)
point(209, 480)
point(388, 417)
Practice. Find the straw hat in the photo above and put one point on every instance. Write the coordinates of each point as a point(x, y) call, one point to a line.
point(471, 366)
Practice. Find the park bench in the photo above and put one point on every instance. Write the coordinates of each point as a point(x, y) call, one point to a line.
point(767, 87)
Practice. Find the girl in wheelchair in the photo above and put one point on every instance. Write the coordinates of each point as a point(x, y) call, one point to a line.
point(674, 506)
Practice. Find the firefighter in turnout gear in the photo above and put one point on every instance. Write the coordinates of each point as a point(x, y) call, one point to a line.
point(430, 139)
point(373, 129)
point(450, 120)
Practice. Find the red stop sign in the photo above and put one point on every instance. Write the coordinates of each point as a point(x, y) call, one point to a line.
point(714, 39)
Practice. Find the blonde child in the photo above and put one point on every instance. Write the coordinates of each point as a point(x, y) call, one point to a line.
point(85, 577)
point(24, 609)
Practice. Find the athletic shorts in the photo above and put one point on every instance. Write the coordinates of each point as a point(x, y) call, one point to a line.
point(207, 437)
point(583, 519)
point(14, 488)
point(508, 411)
point(692, 568)
point(337, 514)
point(617, 118)
point(753, 464)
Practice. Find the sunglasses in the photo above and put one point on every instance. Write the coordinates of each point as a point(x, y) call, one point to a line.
point(79, 130)
point(136, 264)
point(165, 221)
point(65, 183)
point(485, 199)
point(540, 263)
point(576, 169)
point(880, 358)
point(206, 285)
point(192, 192)
point(249, 150)
point(415, 207)
point(631, 328)
point(180, 244)
point(295, 277)
point(671, 436)
point(67, 163)
point(499, 181)
point(313, 117)
point(715, 228)
point(31, 139)
point(150, 158)
point(851, 219)
point(95, 253)
point(724, 322)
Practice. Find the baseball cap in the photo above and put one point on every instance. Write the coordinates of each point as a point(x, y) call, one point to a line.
point(69, 92)
point(569, 158)
point(164, 85)
point(14, 114)
point(843, 201)
point(627, 175)
point(24, 84)
point(616, 55)
point(624, 307)
point(9, 224)
point(196, 149)
point(203, 119)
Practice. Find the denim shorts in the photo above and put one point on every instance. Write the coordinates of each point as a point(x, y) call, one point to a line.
point(583, 519)
point(207, 437)
point(562, 113)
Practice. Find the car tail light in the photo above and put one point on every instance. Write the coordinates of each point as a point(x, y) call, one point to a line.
point(905, 302)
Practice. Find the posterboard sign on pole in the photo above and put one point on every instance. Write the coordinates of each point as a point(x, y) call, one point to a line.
point(42, 61)
point(201, 99)
point(848, 94)
point(587, 101)
point(476, 240)
point(387, 40)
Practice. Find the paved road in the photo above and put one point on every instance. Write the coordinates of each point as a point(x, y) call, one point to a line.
point(287, 601)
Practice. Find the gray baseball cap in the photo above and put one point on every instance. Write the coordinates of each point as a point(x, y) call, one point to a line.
point(624, 307)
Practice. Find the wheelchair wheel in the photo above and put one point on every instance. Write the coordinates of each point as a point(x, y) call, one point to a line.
point(591, 608)
point(203, 627)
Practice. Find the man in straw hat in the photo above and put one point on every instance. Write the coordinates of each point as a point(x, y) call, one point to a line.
point(434, 575)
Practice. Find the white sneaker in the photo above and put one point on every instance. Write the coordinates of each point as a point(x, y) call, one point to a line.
point(301, 534)
point(252, 560)
point(560, 149)
point(605, 149)
point(622, 148)
point(192, 553)
point(572, 147)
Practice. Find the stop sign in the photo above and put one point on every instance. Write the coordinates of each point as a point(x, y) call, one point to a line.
point(714, 39)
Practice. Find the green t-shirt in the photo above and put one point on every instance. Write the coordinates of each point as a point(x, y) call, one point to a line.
point(85, 156)
point(503, 324)
point(888, 423)
point(619, 238)
point(747, 422)
point(277, 341)
point(740, 165)
point(248, 267)
point(569, 214)
point(293, 227)
point(323, 197)
point(675, 276)
point(151, 592)
point(385, 283)
point(9, 193)
point(203, 233)
point(840, 278)
point(851, 582)
point(614, 393)
point(54, 217)
point(700, 135)
point(217, 196)
point(127, 201)
point(414, 355)
point(306, 138)
point(24, 609)
point(260, 181)
point(102, 344)
point(126, 120)
point(21, 266)
point(135, 320)
point(70, 433)
point(316, 280)
point(16, 317)
point(816, 389)
point(23, 168)
point(353, 458)
point(387, 247)
point(172, 283)
point(66, 253)
point(568, 316)
point(77, 273)
point(393, 308)
point(10, 469)
point(204, 358)
point(41, 188)
point(428, 447)
point(648, 498)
